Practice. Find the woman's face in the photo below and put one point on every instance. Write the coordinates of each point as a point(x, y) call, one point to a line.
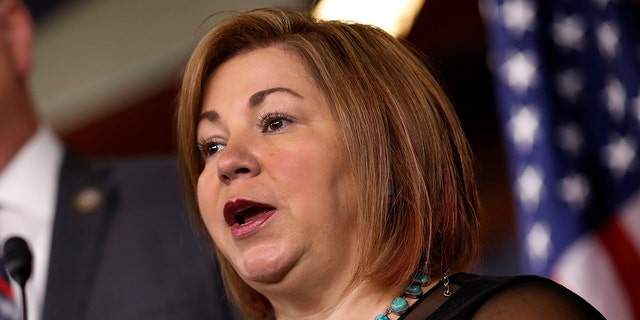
point(276, 193)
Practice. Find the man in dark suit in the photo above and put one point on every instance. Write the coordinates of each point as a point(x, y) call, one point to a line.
point(110, 238)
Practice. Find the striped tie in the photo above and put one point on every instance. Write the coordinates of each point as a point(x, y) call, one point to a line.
point(7, 305)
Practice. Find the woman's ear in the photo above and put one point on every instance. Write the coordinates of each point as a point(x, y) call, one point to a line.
point(18, 31)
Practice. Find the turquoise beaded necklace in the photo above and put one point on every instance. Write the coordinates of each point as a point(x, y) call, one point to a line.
point(399, 305)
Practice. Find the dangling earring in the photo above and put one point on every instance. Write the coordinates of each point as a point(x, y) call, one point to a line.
point(445, 283)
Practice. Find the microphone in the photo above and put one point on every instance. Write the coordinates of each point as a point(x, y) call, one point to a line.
point(17, 260)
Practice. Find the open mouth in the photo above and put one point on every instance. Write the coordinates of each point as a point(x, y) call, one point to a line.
point(247, 215)
point(243, 211)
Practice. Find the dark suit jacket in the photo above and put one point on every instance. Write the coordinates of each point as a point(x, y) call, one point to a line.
point(130, 252)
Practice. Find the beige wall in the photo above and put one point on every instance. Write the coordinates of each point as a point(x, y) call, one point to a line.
point(95, 55)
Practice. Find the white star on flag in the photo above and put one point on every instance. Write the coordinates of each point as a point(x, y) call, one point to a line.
point(524, 127)
point(615, 98)
point(619, 155)
point(539, 242)
point(570, 83)
point(529, 186)
point(570, 138)
point(608, 36)
point(520, 71)
point(574, 190)
point(568, 32)
point(519, 15)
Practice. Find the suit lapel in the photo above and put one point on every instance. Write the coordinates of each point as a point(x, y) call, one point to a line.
point(85, 196)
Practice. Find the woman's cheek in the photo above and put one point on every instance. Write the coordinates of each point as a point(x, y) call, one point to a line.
point(207, 199)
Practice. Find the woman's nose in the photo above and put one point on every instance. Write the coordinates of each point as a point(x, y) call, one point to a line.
point(237, 162)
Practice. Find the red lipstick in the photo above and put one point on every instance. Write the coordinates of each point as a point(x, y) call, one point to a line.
point(245, 216)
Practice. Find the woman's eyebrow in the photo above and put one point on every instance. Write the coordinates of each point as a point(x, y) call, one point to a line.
point(255, 99)
point(259, 96)
point(211, 116)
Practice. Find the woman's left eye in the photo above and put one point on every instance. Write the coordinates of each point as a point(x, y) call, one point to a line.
point(274, 122)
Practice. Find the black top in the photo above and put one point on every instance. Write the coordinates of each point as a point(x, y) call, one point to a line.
point(470, 292)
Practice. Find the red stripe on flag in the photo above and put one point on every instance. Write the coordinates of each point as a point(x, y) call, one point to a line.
point(626, 260)
point(5, 288)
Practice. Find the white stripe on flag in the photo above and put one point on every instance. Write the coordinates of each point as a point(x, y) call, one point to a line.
point(585, 269)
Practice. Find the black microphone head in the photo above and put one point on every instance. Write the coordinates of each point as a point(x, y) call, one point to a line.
point(17, 259)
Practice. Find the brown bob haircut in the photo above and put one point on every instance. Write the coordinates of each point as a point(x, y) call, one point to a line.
point(417, 197)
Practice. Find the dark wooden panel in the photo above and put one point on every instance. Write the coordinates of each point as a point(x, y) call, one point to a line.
point(140, 128)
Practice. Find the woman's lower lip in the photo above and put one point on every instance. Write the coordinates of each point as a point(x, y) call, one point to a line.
point(241, 231)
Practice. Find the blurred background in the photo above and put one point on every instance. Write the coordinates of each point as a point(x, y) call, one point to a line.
point(107, 75)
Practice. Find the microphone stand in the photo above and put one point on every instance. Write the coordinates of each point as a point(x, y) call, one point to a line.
point(24, 302)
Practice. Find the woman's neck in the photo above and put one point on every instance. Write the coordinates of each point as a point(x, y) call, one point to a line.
point(363, 301)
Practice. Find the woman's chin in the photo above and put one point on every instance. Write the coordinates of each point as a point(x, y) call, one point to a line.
point(265, 266)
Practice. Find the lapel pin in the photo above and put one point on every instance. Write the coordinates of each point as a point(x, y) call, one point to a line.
point(89, 200)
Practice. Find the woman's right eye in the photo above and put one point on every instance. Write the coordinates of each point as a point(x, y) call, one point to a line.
point(210, 148)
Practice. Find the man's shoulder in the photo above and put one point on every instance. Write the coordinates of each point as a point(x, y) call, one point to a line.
point(130, 182)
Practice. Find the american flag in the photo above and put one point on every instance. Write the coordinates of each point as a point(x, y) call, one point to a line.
point(567, 77)
point(6, 297)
